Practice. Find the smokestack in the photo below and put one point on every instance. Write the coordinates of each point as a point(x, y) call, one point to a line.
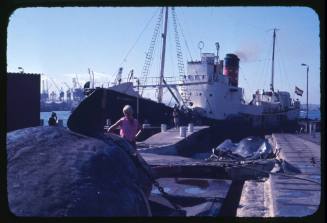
point(231, 67)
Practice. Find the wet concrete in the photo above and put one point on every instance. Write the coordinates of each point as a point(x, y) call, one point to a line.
point(293, 196)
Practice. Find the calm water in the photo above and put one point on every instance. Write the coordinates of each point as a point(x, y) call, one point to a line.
point(313, 114)
point(64, 115)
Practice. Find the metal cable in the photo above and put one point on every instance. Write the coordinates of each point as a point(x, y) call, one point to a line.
point(138, 38)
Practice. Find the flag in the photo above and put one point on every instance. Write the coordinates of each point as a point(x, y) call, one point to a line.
point(298, 91)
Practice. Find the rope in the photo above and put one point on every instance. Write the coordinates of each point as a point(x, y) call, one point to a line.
point(148, 208)
point(136, 161)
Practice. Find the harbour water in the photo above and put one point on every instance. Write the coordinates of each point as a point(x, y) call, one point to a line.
point(313, 114)
point(62, 115)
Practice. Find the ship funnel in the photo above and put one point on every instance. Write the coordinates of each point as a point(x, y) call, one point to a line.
point(231, 67)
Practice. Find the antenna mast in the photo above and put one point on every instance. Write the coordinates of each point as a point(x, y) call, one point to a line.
point(273, 62)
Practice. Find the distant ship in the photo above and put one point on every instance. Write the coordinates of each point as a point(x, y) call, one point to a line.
point(208, 95)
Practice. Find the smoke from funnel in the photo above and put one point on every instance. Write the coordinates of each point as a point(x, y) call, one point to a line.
point(248, 52)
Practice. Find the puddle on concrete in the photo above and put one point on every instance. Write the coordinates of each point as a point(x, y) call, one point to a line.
point(194, 190)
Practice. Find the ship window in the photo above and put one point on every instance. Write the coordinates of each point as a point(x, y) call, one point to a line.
point(197, 77)
point(210, 95)
point(190, 77)
point(203, 77)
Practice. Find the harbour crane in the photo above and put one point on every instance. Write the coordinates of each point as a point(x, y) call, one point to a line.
point(61, 92)
point(68, 92)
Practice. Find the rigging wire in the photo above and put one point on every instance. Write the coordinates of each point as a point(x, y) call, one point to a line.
point(170, 52)
point(138, 38)
point(283, 66)
point(151, 50)
point(180, 27)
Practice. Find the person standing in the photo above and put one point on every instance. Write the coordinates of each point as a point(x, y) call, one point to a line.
point(176, 117)
point(53, 120)
point(129, 126)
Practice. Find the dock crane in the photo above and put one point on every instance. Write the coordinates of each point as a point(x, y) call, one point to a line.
point(68, 92)
point(61, 92)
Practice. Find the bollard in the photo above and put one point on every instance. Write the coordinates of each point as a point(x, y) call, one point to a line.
point(41, 122)
point(163, 127)
point(60, 123)
point(190, 127)
point(182, 131)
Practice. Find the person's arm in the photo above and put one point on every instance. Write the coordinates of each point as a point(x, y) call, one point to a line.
point(114, 126)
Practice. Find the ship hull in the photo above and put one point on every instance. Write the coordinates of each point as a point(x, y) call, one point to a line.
point(90, 116)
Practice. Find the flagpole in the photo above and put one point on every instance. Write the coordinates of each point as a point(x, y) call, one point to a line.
point(307, 116)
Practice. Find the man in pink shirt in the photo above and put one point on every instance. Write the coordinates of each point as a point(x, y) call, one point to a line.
point(129, 126)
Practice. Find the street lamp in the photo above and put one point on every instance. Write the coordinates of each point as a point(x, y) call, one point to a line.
point(138, 95)
point(307, 116)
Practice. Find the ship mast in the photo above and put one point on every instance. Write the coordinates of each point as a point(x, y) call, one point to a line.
point(164, 35)
point(273, 62)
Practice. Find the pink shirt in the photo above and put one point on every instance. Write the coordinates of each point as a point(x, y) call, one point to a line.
point(128, 128)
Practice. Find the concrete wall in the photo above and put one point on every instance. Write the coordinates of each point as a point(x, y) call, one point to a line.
point(23, 100)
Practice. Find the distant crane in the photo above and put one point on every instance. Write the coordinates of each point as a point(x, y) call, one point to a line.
point(61, 92)
point(45, 90)
point(68, 92)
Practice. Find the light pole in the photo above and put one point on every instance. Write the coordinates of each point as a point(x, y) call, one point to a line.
point(307, 116)
point(138, 95)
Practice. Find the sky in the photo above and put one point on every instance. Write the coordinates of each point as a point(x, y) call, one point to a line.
point(62, 43)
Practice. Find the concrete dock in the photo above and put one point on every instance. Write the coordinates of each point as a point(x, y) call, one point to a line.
point(170, 142)
point(292, 196)
point(293, 192)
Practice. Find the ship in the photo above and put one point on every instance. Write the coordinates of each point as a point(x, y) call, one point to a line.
point(208, 94)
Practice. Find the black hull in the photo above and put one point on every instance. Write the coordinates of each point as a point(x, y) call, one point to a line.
point(90, 117)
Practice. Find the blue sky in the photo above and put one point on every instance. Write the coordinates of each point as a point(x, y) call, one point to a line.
point(64, 42)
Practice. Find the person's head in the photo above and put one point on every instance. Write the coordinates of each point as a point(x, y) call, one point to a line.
point(53, 114)
point(128, 111)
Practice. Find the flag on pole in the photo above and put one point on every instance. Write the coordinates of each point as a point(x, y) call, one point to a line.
point(298, 91)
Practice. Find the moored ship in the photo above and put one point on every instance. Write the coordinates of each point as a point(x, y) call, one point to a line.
point(207, 94)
